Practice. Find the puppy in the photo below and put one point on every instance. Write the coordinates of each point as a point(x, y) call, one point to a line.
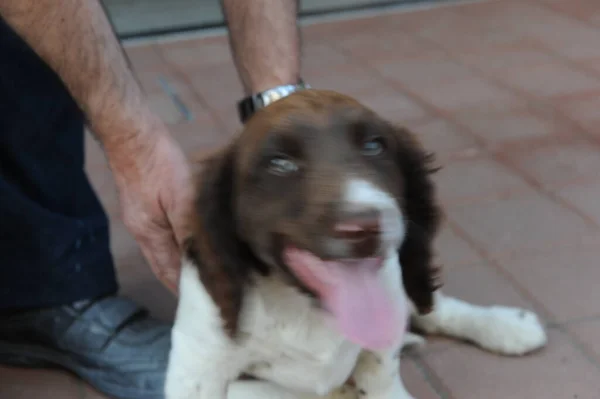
point(311, 250)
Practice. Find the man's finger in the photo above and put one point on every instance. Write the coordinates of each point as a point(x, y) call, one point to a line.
point(179, 216)
point(164, 257)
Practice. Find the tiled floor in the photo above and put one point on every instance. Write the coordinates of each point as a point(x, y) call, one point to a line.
point(507, 93)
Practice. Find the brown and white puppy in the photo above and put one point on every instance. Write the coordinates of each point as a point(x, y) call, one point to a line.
point(312, 246)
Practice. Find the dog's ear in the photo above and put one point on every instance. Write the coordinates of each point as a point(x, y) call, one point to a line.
point(422, 214)
point(224, 262)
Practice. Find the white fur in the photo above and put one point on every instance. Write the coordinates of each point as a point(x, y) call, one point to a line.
point(284, 340)
point(499, 329)
point(292, 348)
point(289, 345)
point(362, 194)
point(203, 361)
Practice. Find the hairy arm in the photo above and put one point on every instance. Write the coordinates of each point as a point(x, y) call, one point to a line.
point(265, 42)
point(76, 39)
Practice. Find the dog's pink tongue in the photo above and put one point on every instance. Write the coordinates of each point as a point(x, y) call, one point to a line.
point(363, 309)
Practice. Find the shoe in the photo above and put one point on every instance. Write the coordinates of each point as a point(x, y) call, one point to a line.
point(111, 343)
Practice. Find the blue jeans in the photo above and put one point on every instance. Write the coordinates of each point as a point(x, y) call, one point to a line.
point(54, 234)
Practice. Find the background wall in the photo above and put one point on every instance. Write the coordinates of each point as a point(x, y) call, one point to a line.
point(142, 17)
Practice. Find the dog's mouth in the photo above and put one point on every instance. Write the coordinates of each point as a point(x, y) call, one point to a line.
point(355, 293)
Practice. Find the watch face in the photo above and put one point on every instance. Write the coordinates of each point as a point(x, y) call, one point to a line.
point(273, 96)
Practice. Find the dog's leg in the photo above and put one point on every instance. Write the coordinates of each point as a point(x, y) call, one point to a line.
point(267, 390)
point(500, 329)
point(203, 358)
point(197, 373)
point(377, 376)
point(413, 341)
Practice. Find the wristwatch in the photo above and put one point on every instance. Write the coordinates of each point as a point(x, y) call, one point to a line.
point(249, 105)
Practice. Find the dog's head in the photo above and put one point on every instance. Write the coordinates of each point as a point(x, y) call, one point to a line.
point(322, 190)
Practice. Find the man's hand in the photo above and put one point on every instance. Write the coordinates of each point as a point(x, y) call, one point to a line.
point(153, 180)
point(75, 38)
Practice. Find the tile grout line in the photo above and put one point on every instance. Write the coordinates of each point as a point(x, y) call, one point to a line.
point(584, 319)
point(553, 10)
point(547, 315)
point(580, 347)
point(433, 380)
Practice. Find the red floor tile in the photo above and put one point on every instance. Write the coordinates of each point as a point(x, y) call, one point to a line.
point(518, 57)
point(565, 281)
point(470, 180)
point(585, 112)
point(398, 45)
point(499, 129)
point(550, 80)
point(220, 86)
point(559, 164)
point(392, 105)
point(584, 197)
point(472, 94)
point(197, 55)
point(350, 79)
point(483, 284)
point(415, 380)
point(523, 223)
point(144, 58)
point(587, 333)
point(320, 57)
point(91, 393)
point(423, 72)
point(454, 251)
point(445, 140)
point(559, 371)
point(38, 384)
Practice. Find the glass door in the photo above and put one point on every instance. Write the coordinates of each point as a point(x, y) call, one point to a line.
point(135, 18)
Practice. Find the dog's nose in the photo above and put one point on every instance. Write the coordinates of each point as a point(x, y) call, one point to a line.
point(358, 227)
point(361, 230)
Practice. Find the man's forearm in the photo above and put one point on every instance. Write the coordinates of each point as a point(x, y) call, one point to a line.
point(75, 38)
point(265, 42)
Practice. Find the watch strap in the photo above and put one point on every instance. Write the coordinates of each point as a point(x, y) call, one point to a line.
point(249, 105)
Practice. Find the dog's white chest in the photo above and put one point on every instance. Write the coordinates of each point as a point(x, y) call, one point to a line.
point(291, 343)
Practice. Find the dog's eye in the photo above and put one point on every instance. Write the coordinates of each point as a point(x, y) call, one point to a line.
point(282, 166)
point(373, 146)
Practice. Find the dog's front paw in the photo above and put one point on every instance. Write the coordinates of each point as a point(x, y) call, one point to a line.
point(511, 331)
point(413, 341)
